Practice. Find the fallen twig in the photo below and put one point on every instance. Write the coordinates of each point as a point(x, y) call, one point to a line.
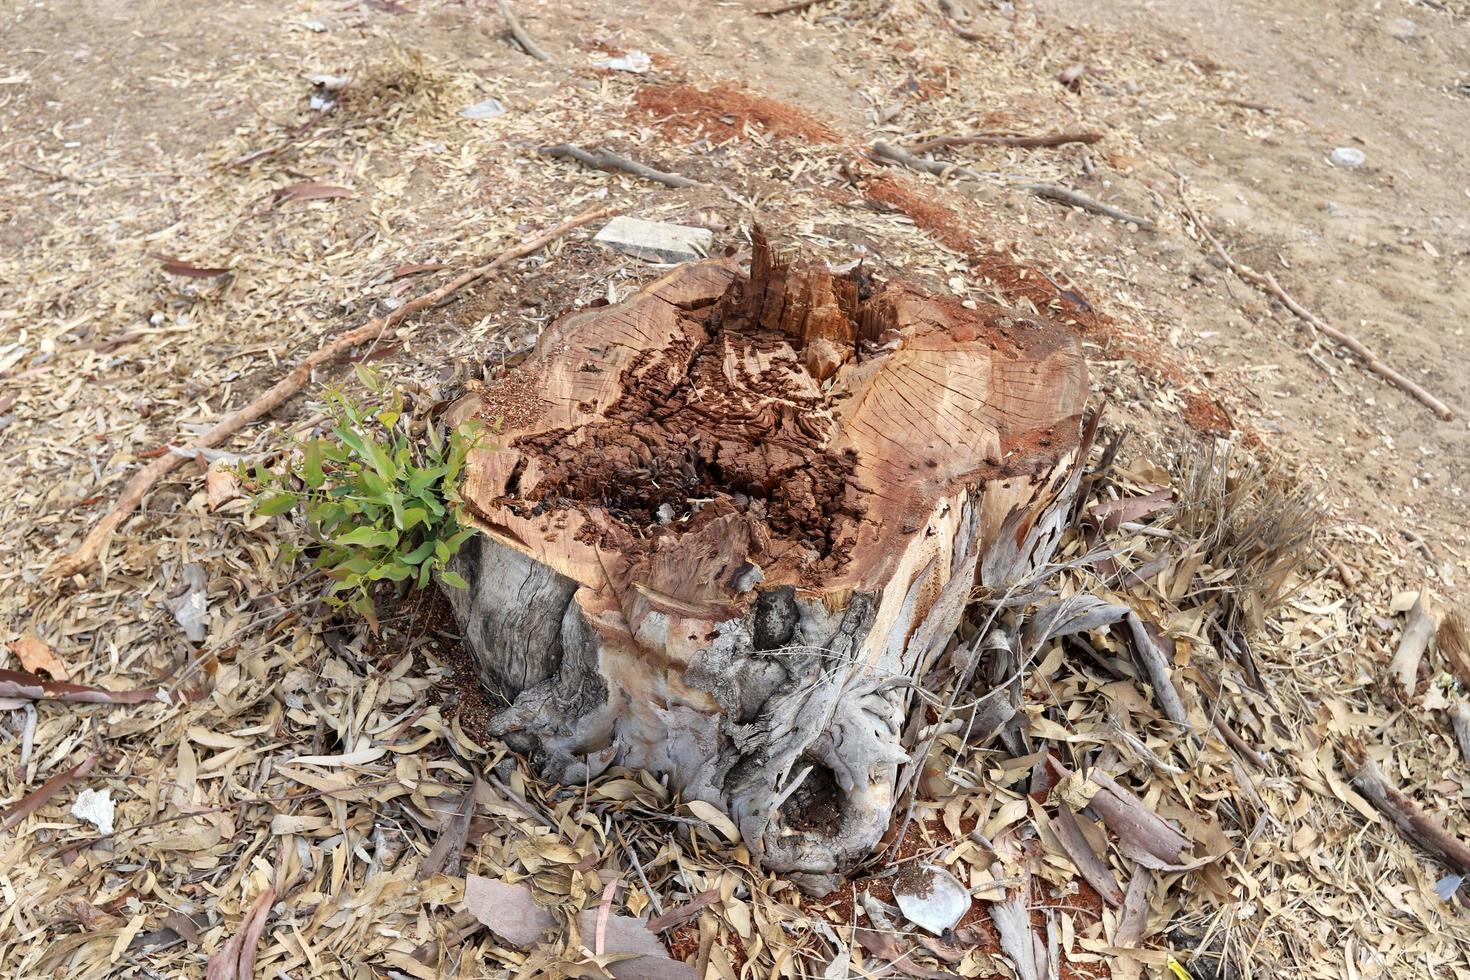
point(1063, 195)
point(1157, 667)
point(604, 159)
point(789, 8)
point(1005, 139)
point(1051, 192)
point(898, 154)
point(1268, 283)
point(519, 33)
point(281, 392)
point(1411, 821)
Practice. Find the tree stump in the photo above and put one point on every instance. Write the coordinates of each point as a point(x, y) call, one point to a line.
point(727, 522)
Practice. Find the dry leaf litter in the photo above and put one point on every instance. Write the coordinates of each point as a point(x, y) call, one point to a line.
point(242, 783)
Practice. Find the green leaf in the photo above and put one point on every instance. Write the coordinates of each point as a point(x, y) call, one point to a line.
point(392, 572)
point(368, 537)
point(311, 463)
point(418, 554)
point(367, 376)
point(454, 579)
point(277, 503)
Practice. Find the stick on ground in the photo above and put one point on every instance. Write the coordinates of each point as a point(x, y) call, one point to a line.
point(1411, 821)
point(1267, 283)
point(1005, 139)
point(604, 159)
point(1051, 192)
point(86, 554)
point(1063, 195)
point(519, 33)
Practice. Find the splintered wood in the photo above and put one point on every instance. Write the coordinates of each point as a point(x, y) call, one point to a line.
point(725, 519)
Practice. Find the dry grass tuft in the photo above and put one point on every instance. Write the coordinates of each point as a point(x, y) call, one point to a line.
point(1252, 519)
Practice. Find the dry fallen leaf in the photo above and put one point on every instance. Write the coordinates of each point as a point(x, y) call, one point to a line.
point(236, 959)
point(310, 191)
point(36, 655)
point(178, 267)
point(190, 605)
point(510, 911)
point(221, 485)
point(38, 797)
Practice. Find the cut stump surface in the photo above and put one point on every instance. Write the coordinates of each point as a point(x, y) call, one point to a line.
point(726, 522)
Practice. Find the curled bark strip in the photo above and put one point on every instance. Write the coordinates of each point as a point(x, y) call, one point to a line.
point(519, 33)
point(1093, 868)
point(605, 159)
point(142, 481)
point(24, 684)
point(1412, 822)
point(1267, 283)
point(1414, 640)
point(1156, 665)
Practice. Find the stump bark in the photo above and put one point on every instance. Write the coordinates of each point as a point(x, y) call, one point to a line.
point(727, 522)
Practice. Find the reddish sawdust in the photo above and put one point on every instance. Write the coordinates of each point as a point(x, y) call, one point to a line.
point(1203, 414)
point(723, 111)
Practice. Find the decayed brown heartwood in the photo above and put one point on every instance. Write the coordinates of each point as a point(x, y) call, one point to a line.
point(728, 521)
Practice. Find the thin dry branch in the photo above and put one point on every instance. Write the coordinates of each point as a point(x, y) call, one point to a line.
point(899, 155)
point(519, 33)
point(789, 8)
point(279, 393)
point(1044, 190)
point(605, 159)
point(1156, 665)
point(1411, 821)
point(1063, 195)
point(1005, 139)
point(1267, 283)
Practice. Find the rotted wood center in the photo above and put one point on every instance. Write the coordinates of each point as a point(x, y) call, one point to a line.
point(722, 517)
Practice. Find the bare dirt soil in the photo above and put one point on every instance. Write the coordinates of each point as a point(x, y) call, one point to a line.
point(319, 151)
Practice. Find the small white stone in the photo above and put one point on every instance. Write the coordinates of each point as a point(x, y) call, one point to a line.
point(1403, 29)
point(655, 241)
point(1349, 156)
point(95, 807)
point(488, 109)
point(932, 899)
point(634, 61)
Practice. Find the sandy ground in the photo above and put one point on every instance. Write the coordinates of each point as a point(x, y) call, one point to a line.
point(127, 130)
